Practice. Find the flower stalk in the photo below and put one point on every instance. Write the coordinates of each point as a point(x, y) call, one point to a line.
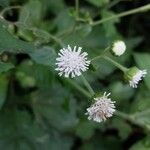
point(79, 88)
point(77, 8)
point(101, 55)
point(121, 67)
point(126, 13)
point(88, 86)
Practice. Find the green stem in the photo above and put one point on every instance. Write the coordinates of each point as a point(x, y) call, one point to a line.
point(101, 55)
point(97, 57)
point(2, 13)
point(77, 8)
point(78, 19)
point(57, 40)
point(34, 30)
point(126, 13)
point(79, 88)
point(121, 67)
point(117, 113)
point(131, 118)
point(140, 114)
point(88, 86)
point(113, 3)
point(123, 115)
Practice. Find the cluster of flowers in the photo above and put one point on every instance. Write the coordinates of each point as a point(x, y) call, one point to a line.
point(72, 62)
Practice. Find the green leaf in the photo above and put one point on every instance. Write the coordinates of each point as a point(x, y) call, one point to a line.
point(143, 118)
point(12, 44)
point(4, 3)
point(45, 56)
point(3, 89)
point(103, 69)
point(119, 91)
point(67, 119)
point(142, 145)
point(30, 17)
point(142, 59)
point(68, 21)
point(141, 101)
point(30, 75)
point(17, 129)
point(50, 6)
point(57, 108)
point(109, 26)
point(83, 32)
point(124, 129)
point(19, 132)
point(85, 129)
point(99, 142)
point(42, 36)
point(5, 66)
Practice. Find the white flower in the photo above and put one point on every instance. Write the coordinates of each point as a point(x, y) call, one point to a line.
point(137, 77)
point(134, 75)
point(102, 109)
point(118, 48)
point(71, 62)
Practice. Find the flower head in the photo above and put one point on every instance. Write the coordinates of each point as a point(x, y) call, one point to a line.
point(134, 75)
point(102, 109)
point(71, 62)
point(118, 48)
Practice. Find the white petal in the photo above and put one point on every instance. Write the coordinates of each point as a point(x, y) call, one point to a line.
point(72, 61)
point(102, 109)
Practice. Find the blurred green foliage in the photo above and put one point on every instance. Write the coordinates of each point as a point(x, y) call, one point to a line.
point(41, 111)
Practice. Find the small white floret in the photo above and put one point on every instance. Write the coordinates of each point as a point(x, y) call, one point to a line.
point(137, 77)
point(102, 109)
point(71, 62)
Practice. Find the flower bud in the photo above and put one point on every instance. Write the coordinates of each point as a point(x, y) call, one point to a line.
point(118, 48)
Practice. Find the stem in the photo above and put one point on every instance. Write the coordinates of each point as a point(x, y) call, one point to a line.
point(77, 8)
point(126, 13)
point(69, 31)
point(141, 113)
point(113, 3)
point(88, 86)
point(78, 19)
point(34, 30)
point(79, 88)
point(57, 40)
point(2, 13)
point(123, 115)
point(131, 118)
point(97, 57)
point(117, 113)
point(101, 55)
point(121, 67)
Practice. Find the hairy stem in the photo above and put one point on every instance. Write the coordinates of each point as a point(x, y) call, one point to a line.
point(77, 8)
point(101, 55)
point(2, 13)
point(131, 118)
point(79, 88)
point(121, 67)
point(88, 86)
point(126, 13)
